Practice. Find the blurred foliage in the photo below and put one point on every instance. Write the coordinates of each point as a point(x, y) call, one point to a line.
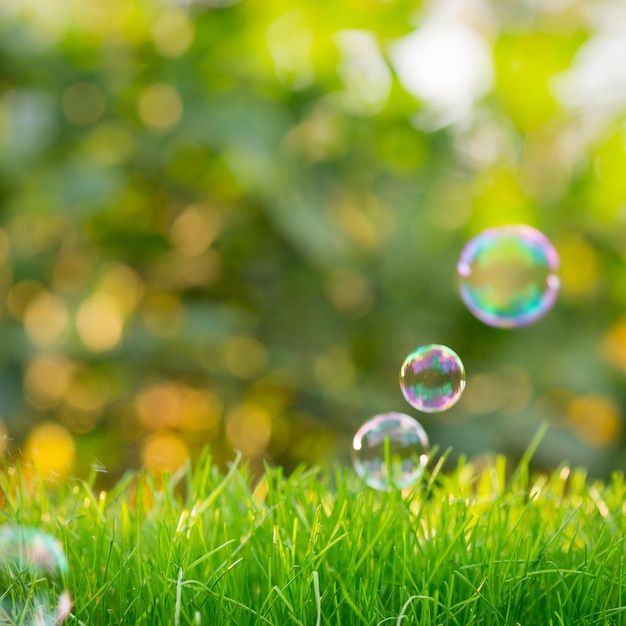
point(230, 222)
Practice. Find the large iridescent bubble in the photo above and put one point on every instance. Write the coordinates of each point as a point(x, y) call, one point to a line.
point(432, 378)
point(33, 568)
point(508, 275)
point(390, 451)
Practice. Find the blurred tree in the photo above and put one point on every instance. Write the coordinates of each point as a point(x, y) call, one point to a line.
point(229, 222)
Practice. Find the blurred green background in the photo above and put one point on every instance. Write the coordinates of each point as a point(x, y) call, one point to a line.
point(229, 222)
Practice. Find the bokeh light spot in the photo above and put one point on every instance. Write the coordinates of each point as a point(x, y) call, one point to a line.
point(159, 406)
point(164, 452)
point(99, 323)
point(245, 357)
point(614, 344)
point(248, 428)
point(193, 231)
point(4, 438)
point(596, 420)
point(49, 452)
point(290, 42)
point(350, 293)
point(579, 271)
point(21, 295)
point(160, 106)
point(173, 33)
point(83, 103)
point(47, 380)
point(46, 319)
point(123, 285)
point(200, 412)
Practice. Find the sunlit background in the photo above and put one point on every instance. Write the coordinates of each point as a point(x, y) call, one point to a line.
point(228, 223)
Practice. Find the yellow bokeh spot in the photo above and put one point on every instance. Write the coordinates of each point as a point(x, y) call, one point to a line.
point(164, 452)
point(193, 231)
point(159, 406)
point(275, 392)
point(49, 452)
point(4, 437)
point(87, 393)
point(123, 285)
point(99, 323)
point(350, 293)
point(201, 412)
point(614, 345)
point(83, 103)
point(579, 266)
point(290, 42)
point(246, 357)
point(248, 428)
point(47, 380)
point(160, 106)
point(178, 270)
point(84, 402)
point(21, 295)
point(173, 33)
point(596, 420)
point(608, 196)
point(45, 319)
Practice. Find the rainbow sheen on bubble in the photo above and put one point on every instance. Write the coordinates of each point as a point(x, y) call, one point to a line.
point(508, 276)
point(33, 568)
point(432, 378)
point(390, 451)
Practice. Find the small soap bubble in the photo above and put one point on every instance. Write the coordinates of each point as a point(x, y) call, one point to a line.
point(508, 276)
point(33, 568)
point(432, 378)
point(390, 451)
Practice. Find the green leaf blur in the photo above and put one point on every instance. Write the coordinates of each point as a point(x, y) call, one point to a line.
point(229, 222)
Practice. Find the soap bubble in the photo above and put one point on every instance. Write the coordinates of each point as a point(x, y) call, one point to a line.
point(508, 275)
point(432, 378)
point(32, 572)
point(390, 451)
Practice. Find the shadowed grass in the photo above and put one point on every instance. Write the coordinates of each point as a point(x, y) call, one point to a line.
point(462, 548)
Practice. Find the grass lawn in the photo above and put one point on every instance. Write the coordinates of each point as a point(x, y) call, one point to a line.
point(463, 547)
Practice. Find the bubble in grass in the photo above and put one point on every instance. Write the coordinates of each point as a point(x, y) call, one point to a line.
point(432, 378)
point(390, 451)
point(508, 276)
point(33, 568)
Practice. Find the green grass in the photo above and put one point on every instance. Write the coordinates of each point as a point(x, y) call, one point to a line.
point(464, 547)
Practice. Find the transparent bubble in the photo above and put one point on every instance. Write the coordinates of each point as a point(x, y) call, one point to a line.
point(508, 276)
point(390, 451)
point(432, 378)
point(32, 572)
